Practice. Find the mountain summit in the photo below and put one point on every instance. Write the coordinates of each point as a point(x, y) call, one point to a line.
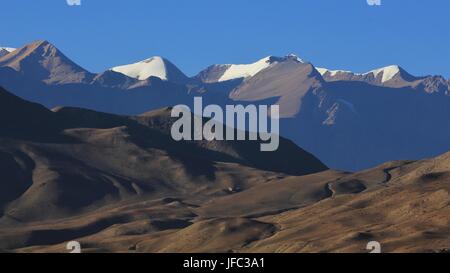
point(392, 76)
point(42, 61)
point(227, 72)
point(6, 50)
point(153, 67)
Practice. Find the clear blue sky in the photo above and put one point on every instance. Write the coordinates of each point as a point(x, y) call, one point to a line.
point(344, 34)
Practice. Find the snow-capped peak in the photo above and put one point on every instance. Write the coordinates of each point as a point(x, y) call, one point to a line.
point(154, 66)
point(295, 58)
point(236, 71)
point(9, 49)
point(388, 72)
point(5, 51)
point(323, 71)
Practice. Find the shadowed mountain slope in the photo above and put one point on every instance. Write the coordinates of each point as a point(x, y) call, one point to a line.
point(70, 160)
point(121, 184)
point(350, 121)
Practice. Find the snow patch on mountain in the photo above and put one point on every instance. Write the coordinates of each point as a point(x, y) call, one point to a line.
point(236, 71)
point(9, 49)
point(152, 67)
point(323, 71)
point(388, 72)
point(5, 51)
point(295, 58)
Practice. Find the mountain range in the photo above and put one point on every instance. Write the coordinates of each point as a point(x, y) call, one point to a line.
point(89, 157)
point(119, 183)
point(350, 121)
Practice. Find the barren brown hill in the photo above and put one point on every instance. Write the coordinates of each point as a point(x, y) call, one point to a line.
point(402, 205)
point(121, 184)
point(71, 162)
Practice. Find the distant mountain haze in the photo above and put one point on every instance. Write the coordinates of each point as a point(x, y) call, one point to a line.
point(350, 121)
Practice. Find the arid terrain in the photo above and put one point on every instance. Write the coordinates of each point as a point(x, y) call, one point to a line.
point(225, 136)
point(121, 184)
